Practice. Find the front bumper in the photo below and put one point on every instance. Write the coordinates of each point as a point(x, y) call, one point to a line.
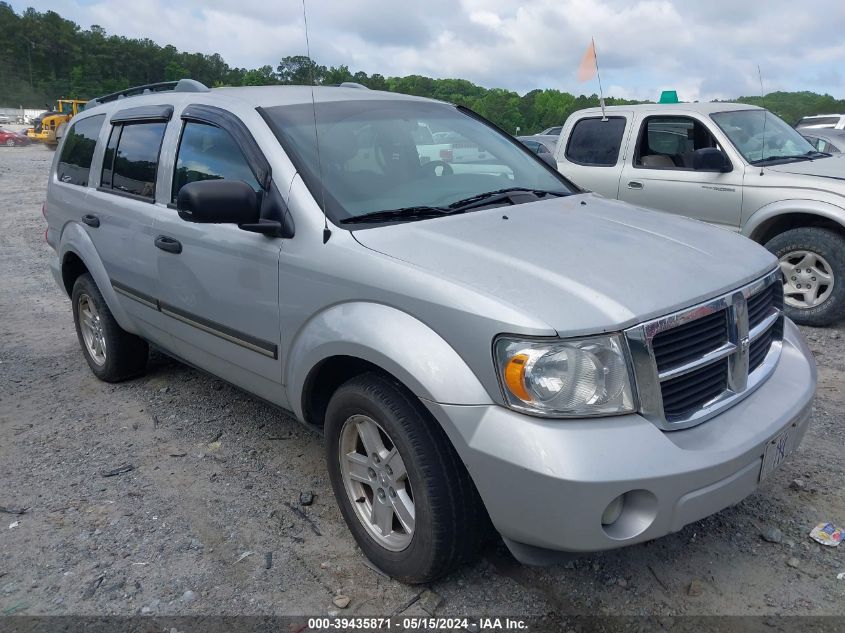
point(546, 483)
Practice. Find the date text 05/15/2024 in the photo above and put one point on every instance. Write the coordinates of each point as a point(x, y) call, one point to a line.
point(417, 623)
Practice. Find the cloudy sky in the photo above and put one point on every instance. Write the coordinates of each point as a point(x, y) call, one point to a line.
point(703, 49)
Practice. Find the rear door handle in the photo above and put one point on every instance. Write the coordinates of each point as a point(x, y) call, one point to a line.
point(635, 184)
point(168, 244)
point(91, 220)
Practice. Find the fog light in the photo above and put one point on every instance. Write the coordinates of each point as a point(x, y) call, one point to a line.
point(613, 510)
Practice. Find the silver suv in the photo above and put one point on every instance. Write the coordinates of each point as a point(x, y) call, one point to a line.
point(481, 342)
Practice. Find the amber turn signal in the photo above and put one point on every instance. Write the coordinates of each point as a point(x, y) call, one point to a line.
point(515, 377)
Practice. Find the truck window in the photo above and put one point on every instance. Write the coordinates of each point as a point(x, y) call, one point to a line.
point(78, 150)
point(668, 142)
point(207, 152)
point(131, 158)
point(595, 142)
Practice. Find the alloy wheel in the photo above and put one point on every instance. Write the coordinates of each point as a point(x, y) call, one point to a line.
point(377, 482)
point(91, 326)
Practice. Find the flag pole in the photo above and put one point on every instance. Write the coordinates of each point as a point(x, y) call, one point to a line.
point(598, 74)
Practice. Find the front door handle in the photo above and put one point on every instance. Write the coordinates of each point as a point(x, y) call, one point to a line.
point(635, 184)
point(168, 244)
point(91, 220)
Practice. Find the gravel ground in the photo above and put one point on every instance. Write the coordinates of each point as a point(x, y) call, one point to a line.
point(217, 477)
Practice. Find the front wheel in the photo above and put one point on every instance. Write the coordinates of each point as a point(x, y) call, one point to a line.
point(403, 491)
point(812, 265)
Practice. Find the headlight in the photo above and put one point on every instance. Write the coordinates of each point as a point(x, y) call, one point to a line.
point(572, 378)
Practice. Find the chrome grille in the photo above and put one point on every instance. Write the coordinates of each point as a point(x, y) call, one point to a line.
point(689, 341)
point(691, 391)
point(692, 364)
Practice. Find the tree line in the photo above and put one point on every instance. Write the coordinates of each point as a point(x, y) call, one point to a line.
point(44, 56)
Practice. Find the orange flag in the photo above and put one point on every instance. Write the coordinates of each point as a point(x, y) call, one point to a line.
point(587, 69)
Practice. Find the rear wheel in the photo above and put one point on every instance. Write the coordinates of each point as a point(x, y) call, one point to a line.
point(812, 264)
point(113, 354)
point(10, 142)
point(403, 491)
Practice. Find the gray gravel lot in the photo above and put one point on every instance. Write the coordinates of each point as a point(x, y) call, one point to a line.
point(217, 477)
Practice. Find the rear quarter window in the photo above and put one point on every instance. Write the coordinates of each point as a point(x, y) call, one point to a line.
point(595, 142)
point(80, 142)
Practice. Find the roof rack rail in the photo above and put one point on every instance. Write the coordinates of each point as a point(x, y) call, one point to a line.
point(183, 85)
point(352, 84)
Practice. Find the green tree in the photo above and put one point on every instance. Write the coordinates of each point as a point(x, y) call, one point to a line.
point(300, 70)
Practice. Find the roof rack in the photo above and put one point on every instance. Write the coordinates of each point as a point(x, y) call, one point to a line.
point(352, 84)
point(183, 85)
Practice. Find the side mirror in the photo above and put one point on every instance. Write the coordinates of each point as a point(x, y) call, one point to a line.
point(218, 202)
point(710, 159)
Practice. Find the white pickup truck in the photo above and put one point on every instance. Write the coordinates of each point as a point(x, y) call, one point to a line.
point(737, 166)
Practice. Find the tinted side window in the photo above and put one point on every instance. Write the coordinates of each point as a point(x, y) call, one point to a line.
point(207, 152)
point(595, 142)
point(136, 158)
point(108, 157)
point(78, 150)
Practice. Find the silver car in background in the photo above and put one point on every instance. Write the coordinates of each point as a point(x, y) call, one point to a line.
point(829, 141)
point(821, 122)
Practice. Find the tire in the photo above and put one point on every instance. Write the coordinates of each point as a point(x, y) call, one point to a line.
point(10, 142)
point(820, 248)
point(450, 522)
point(124, 355)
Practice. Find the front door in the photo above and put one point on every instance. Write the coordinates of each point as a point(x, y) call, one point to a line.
point(219, 285)
point(659, 173)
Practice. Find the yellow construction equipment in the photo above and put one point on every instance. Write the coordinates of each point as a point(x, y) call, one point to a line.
point(50, 125)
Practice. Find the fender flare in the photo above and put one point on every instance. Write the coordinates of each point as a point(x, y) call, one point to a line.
point(76, 240)
point(786, 207)
point(391, 339)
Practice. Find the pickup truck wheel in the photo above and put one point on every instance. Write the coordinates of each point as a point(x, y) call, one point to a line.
point(812, 264)
point(113, 354)
point(403, 491)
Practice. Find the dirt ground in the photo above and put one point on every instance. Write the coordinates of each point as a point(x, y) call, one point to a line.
point(217, 476)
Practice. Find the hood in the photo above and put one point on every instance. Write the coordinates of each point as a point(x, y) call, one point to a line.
point(830, 167)
point(582, 264)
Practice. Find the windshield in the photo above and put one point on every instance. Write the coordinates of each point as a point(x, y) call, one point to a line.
point(760, 136)
point(400, 154)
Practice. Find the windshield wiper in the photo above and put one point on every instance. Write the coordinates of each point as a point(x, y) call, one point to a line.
point(405, 213)
point(500, 195)
point(422, 212)
point(770, 159)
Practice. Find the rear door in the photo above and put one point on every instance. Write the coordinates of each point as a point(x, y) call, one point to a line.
point(218, 284)
point(659, 173)
point(591, 151)
point(119, 213)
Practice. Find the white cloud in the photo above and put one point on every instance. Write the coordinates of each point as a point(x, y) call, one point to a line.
point(702, 49)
